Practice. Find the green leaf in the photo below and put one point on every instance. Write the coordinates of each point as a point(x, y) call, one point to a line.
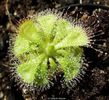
point(41, 76)
point(71, 63)
point(30, 31)
point(21, 46)
point(27, 71)
point(47, 24)
point(77, 37)
point(63, 27)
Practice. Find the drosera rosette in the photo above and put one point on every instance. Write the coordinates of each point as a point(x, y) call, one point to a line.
point(46, 45)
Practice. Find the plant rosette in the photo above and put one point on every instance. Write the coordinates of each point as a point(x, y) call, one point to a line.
point(46, 45)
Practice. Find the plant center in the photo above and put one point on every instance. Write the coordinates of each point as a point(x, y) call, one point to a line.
point(50, 50)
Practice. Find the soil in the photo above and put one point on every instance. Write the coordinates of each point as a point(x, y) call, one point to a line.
point(94, 85)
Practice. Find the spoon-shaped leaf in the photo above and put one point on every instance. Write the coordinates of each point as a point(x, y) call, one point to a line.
point(71, 62)
point(27, 70)
point(76, 37)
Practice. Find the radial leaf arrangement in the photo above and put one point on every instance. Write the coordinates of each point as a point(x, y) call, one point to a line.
point(48, 44)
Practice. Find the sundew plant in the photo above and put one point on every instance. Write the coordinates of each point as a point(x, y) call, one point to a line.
point(47, 45)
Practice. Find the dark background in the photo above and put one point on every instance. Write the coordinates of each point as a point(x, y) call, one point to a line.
point(94, 86)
